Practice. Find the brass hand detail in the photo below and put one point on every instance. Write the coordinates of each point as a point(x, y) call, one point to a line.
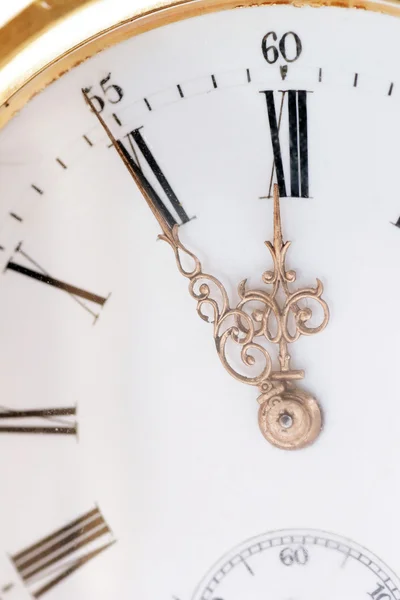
point(288, 417)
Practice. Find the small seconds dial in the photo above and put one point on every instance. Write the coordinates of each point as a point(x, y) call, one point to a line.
point(299, 565)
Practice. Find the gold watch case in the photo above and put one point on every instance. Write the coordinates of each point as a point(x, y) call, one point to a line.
point(49, 38)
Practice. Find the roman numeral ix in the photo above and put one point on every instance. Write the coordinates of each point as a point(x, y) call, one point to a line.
point(294, 104)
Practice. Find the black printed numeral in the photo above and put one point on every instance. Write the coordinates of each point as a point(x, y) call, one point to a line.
point(294, 556)
point(380, 593)
point(289, 47)
point(110, 92)
point(294, 103)
point(135, 140)
point(54, 421)
point(55, 557)
point(39, 274)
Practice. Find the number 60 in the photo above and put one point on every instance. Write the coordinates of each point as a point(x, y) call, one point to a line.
point(290, 557)
point(289, 51)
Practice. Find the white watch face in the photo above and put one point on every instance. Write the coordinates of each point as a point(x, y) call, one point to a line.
point(289, 562)
point(132, 459)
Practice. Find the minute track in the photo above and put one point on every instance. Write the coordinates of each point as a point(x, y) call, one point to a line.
point(284, 560)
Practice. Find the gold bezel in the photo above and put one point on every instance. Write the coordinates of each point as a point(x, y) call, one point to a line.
point(27, 68)
point(32, 22)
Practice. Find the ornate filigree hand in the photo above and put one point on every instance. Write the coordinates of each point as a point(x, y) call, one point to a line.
point(288, 417)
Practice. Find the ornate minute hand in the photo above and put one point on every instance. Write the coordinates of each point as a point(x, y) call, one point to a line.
point(288, 417)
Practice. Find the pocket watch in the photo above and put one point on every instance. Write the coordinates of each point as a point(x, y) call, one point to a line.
point(199, 246)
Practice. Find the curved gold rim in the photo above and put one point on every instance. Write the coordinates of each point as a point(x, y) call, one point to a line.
point(33, 75)
point(32, 22)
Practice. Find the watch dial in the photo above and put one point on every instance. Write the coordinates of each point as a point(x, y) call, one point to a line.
point(287, 563)
point(129, 426)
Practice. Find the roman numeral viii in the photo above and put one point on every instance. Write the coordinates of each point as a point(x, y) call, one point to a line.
point(135, 139)
point(55, 557)
point(293, 106)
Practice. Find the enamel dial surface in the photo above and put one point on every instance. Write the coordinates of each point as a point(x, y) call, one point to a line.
point(299, 564)
point(131, 459)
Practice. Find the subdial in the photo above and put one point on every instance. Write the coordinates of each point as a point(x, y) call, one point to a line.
point(299, 565)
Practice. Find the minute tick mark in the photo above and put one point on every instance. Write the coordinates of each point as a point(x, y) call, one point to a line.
point(16, 217)
point(85, 137)
point(37, 189)
point(116, 119)
point(61, 163)
point(346, 558)
point(246, 564)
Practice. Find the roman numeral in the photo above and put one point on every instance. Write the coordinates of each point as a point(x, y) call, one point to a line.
point(296, 103)
point(39, 274)
point(55, 557)
point(56, 421)
point(179, 215)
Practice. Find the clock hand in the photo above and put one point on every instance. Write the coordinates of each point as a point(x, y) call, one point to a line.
point(280, 277)
point(289, 418)
point(136, 173)
point(278, 237)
